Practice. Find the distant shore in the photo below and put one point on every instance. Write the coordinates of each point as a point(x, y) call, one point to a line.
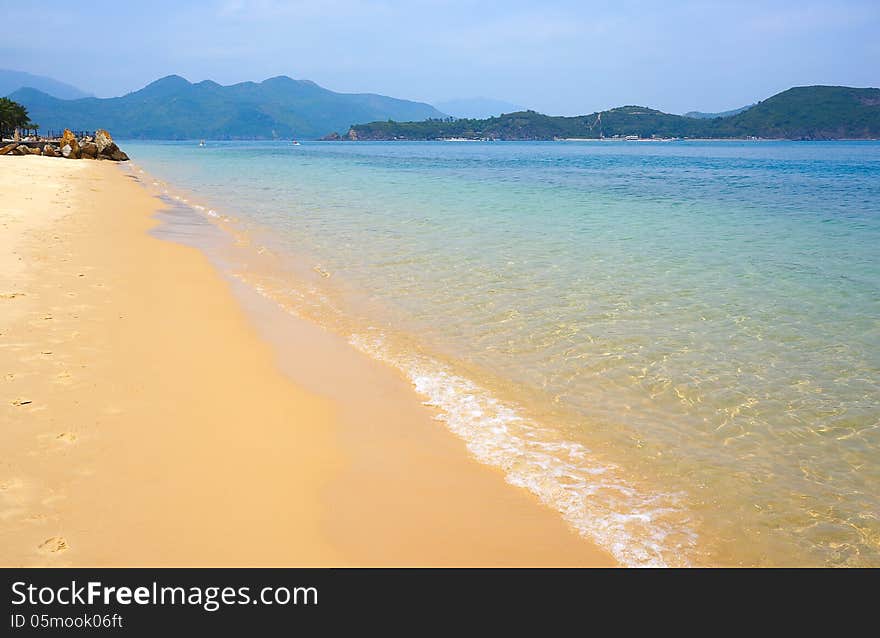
point(154, 424)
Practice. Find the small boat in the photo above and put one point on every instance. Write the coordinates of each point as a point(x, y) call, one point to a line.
point(201, 142)
point(295, 143)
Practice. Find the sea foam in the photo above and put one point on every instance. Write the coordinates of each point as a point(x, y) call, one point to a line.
point(639, 529)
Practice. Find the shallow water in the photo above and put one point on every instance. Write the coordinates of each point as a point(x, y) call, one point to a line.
point(675, 345)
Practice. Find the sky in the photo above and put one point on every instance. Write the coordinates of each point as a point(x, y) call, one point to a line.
point(556, 56)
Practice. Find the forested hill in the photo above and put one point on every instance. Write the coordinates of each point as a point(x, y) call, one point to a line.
point(173, 108)
point(811, 113)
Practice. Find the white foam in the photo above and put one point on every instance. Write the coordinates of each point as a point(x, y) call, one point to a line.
point(635, 527)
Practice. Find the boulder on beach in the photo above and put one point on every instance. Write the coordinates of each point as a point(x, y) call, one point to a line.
point(107, 148)
point(69, 146)
point(105, 142)
point(89, 150)
point(101, 146)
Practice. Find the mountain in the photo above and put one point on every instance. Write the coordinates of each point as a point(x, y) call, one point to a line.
point(477, 107)
point(807, 112)
point(174, 108)
point(708, 116)
point(11, 81)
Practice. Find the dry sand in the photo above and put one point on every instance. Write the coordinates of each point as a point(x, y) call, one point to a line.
point(151, 413)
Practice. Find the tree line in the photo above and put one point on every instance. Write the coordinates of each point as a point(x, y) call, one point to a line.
point(14, 116)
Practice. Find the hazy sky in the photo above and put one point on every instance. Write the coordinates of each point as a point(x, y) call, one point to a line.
point(556, 56)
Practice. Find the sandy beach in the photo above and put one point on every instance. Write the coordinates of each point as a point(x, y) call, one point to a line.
point(154, 415)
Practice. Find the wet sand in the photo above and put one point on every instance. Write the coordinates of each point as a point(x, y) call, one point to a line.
point(154, 413)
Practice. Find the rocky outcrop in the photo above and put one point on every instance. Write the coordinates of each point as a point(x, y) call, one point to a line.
point(101, 146)
point(69, 145)
point(333, 137)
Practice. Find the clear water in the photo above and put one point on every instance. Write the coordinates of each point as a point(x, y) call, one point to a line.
point(675, 345)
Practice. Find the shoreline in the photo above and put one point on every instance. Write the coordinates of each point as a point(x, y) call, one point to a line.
point(316, 454)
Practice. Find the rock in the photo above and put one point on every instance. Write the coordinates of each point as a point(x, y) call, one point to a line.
point(107, 148)
point(89, 150)
point(34, 150)
point(352, 135)
point(332, 137)
point(22, 149)
point(68, 139)
point(8, 148)
point(105, 143)
point(50, 151)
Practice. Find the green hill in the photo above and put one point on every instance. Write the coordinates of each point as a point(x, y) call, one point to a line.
point(810, 112)
point(815, 112)
point(173, 108)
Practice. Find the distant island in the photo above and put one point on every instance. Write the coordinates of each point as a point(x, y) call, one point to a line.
point(800, 113)
point(174, 108)
point(708, 116)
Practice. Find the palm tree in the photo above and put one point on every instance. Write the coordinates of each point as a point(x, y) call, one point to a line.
point(12, 115)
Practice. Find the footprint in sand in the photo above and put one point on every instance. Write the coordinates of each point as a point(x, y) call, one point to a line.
point(11, 295)
point(10, 484)
point(66, 437)
point(54, 545)
point(64, 378)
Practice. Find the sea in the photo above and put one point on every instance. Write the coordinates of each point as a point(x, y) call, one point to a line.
point(675, 345)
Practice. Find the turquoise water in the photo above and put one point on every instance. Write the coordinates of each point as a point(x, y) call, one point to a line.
point(675, 345)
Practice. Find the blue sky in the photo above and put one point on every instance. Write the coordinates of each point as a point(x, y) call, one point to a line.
point(559, 57)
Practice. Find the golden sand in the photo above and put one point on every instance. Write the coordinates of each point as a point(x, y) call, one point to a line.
point(151, 415)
